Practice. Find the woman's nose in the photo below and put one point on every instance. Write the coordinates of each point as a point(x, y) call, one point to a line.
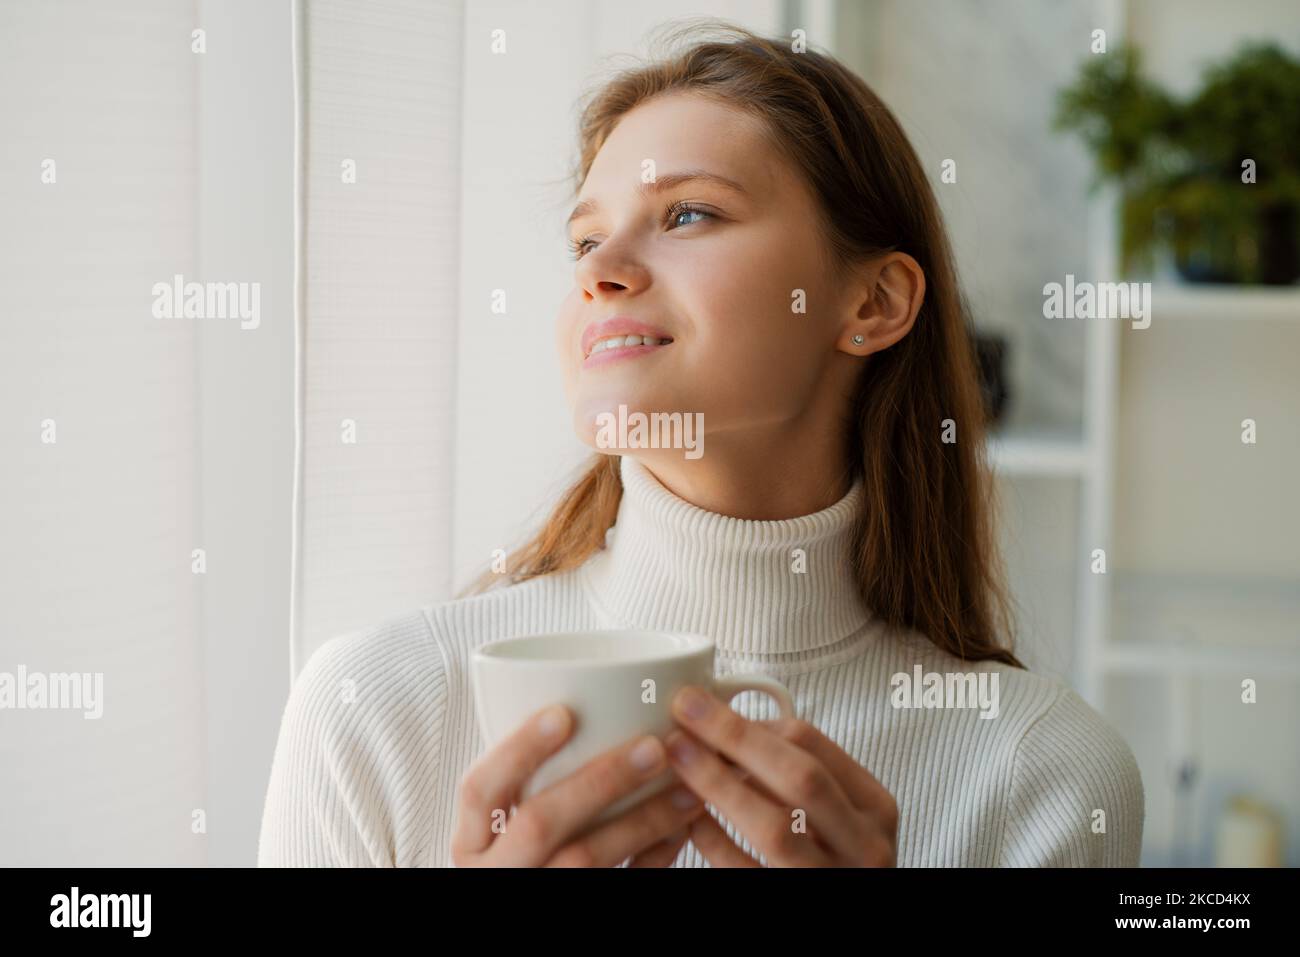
point(610, 269)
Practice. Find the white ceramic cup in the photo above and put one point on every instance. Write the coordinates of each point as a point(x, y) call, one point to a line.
point(618, 683)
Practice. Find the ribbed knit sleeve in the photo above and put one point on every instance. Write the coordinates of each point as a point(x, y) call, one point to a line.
point(358, 753)
point(1069, 765)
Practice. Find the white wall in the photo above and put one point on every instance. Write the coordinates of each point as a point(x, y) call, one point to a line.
point(1179, 37)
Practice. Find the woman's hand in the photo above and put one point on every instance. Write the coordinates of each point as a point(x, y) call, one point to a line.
point(550, 828)
point(808, 803)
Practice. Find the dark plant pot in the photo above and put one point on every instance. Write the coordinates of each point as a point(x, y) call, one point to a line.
point(1279, 245)
point(1270, 256)
point(1201, 265)
point(991, 351)
point(1208, 252)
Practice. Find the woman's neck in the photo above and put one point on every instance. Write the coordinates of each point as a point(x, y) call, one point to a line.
point(783, 587)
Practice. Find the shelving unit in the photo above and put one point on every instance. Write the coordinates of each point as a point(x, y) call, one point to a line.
point(1088, 458)
point(1178, 651)
point(1044, 452)
point(1166, 658)
point(1174, 302)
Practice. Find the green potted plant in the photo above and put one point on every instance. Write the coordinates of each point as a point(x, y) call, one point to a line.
point(1182, 164)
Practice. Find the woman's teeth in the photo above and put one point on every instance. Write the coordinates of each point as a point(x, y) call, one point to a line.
point(616, 342)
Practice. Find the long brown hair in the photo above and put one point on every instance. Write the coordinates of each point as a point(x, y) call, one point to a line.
point(923, 544)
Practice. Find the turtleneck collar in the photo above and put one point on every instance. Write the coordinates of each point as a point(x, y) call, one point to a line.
point(671, 565)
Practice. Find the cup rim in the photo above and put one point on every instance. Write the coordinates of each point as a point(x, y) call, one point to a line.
point(485, 653)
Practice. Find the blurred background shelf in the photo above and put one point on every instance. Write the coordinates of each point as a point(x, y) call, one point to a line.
point(1186, 589)
point(1181, 301)
point(1165, 658)
point(1207, 624)
point(1031, 452)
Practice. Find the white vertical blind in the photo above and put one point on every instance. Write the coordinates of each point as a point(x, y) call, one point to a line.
point(96, 528)
point(380, 87)
point(245, 215)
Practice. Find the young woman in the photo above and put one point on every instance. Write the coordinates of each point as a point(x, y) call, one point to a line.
point(756, 220)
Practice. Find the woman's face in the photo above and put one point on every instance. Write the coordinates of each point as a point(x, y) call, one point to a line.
point(736, 277)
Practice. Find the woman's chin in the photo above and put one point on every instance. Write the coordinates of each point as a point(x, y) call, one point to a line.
point(601, 423)
point(590, 412)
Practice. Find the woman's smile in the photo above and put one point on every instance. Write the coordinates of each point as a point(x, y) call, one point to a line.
point(605, 351)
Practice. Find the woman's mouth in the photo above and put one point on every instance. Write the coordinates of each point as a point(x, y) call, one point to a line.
point(612, 348)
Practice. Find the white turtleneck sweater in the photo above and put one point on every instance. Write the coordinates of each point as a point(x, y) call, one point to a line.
point(373, 781)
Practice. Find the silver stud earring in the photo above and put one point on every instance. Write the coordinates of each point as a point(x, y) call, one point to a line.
point(857, 340)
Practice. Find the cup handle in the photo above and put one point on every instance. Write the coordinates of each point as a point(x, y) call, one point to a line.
point(730, 686)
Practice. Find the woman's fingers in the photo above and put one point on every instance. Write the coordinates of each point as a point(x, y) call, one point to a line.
point(799, 779)
point(637, 831)
point(767, 825)
point(490, 786)
point(664, 853)
point(716, 847)
point(551, 818)
point(760, 771)
point(859, 784)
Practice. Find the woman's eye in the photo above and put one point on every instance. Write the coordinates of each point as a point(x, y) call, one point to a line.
point(580, 247)
point(687, 211)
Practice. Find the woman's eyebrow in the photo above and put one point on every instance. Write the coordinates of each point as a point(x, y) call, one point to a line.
point(661, 184)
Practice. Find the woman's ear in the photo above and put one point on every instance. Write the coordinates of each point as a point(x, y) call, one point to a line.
point(895, 289)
